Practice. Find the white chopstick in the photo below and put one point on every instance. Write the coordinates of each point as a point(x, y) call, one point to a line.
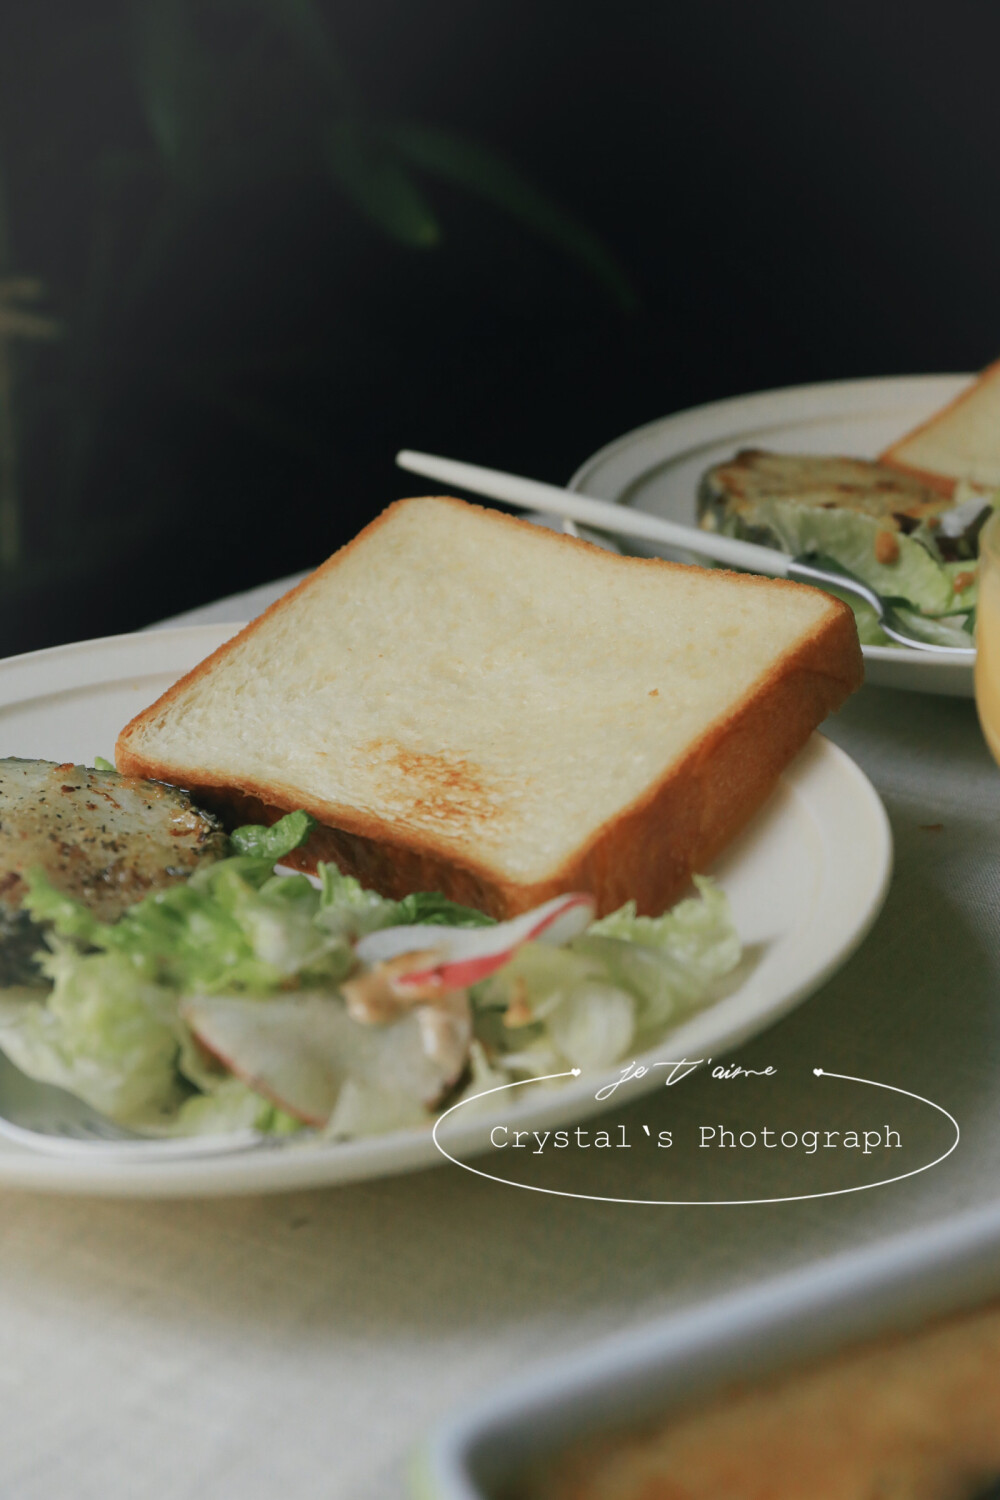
point(530, 494)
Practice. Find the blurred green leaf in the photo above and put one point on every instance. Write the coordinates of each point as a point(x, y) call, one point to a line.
point(235, 104)
point(480, 171)
point(380, 185)
point(307, 28)
point(15, 323)
point(173, 80)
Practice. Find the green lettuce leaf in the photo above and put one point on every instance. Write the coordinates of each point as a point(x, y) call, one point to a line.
point(275, 842)
point(698, 933)
point(849, 539)
point(104, 1033)
point(233, 926)
point(111, 1028)
point(230, 1106)
point(347, 908)
point(431, 909)
point(620, 983)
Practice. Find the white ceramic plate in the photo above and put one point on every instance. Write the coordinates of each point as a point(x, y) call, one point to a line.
point(657, 468)
point(806, 881)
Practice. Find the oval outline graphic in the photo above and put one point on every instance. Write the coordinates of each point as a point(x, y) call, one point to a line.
point(863, 1187)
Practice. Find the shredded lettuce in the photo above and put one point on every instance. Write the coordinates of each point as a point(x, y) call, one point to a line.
point(431, 909)
point(230, 1106)
point(937, 592)
point(275, 842)
point(111, 1027)
point(697, 933)
point(592, 1026)
point(103, 1032)
point(234, 926)
point(346, 906)
point(849, 537)
point(620, 984)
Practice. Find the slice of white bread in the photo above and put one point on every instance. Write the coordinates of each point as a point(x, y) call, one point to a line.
point(472, 704)
point(961, 441)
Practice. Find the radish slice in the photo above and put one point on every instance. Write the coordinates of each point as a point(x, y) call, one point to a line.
point(299, 1050)
point(466, 955)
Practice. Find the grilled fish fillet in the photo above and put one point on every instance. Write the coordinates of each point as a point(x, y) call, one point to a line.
point(104, 838)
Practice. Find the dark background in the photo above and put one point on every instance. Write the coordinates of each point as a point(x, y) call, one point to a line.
point(260, 294)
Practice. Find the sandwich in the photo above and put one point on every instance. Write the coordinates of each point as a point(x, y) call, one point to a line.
point(471, 704)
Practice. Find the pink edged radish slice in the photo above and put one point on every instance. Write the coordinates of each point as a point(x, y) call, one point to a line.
point(455, 957)
point(299, 1051)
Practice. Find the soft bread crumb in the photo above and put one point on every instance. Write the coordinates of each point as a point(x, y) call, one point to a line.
point(471, 691)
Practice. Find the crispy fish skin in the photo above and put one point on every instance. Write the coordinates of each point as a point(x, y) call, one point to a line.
point(730, 492)
point(104, 838)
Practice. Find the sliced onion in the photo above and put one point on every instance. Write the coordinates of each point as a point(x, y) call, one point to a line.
point(299, 1050)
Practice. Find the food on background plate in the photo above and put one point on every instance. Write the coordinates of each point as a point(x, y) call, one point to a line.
point(734, 491)
point(903, 540)
point(907, 525)
point(472, 704)
point(246, 997)
point(909, 1417)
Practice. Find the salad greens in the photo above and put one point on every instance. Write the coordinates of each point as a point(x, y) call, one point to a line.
point(273, 843)
point(110, 1025)
point(938, 593)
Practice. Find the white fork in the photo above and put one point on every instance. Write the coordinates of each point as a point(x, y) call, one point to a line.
point(48, 1119)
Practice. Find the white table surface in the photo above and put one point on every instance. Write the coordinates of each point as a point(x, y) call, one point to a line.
point(300, 1345)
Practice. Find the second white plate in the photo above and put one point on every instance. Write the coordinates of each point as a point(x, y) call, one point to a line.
point(656, 468)
point(806, 880)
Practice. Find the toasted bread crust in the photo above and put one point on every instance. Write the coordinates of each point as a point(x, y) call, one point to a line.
point(647, 852)
point(936, 482)
point(939, 482)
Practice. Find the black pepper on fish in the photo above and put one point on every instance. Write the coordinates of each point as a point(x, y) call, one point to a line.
point(153, 837)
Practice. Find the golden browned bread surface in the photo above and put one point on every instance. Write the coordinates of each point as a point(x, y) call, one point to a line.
point(904, 1418)
point(472, 704)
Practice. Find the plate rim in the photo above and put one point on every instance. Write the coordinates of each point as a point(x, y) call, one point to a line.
point(711, 411)
point(328, 1163)
point(727, 408)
